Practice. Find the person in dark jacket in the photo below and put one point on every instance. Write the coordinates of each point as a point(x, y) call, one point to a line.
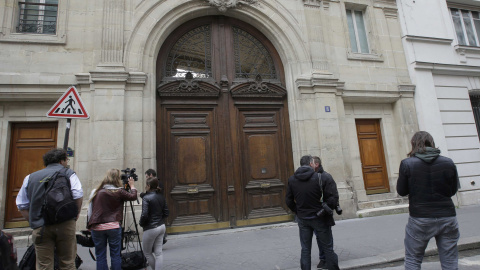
point(429, 180)
point(154, 213)
point(330, 191)
point(105, 215)
point(314, 211)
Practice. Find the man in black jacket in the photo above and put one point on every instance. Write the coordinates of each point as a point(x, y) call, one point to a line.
point(429, 180)
point(329, 191)
point(314, 211)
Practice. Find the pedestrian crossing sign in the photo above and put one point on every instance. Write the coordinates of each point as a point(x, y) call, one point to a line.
point(69, 105)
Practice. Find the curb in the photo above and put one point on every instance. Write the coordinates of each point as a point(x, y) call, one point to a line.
point(399, 255)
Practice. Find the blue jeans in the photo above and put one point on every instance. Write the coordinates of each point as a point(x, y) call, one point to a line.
point(321, 254)
point(114, 238)
point(324, 235)
point(418, 233)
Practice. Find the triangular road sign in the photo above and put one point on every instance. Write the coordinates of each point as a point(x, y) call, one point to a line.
point(69, 105)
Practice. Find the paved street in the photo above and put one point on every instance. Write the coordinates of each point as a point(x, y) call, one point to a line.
point(361, 242)
point(468, 260)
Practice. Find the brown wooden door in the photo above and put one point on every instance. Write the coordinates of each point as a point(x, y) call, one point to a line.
point(29, 141)
point(223, 138)
point(264, 158)
point(372, 156)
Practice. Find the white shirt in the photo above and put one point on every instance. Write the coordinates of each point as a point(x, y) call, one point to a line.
point(23, 203)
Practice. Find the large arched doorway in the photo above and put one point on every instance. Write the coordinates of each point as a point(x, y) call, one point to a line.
point(223, 136)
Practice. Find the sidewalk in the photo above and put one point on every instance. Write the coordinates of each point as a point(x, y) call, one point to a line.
point(358, 242)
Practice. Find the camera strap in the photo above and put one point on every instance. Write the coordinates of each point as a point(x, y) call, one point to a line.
point(320, 183)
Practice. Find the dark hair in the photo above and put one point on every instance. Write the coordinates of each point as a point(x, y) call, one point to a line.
point(419, 141)
point(317, 160)
point(306, 160)
point(54, 156)
point(151, 172)
point(153, 184)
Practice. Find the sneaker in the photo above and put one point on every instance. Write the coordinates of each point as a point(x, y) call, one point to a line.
point(321, 264)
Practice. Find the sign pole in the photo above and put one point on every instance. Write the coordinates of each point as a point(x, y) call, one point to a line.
point(67, 133)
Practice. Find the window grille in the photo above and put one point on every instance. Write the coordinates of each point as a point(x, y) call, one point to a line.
point(38, 16)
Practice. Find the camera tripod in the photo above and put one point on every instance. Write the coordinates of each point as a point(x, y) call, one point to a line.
point(137, 260)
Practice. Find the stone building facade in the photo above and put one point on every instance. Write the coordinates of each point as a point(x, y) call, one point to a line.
point(444, 65)
point(221, 97)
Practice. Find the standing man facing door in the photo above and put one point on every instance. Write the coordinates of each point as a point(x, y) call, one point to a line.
point(47, 238)
point(304, 197)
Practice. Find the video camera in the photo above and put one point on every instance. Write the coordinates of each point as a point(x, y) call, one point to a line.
point(127, 173)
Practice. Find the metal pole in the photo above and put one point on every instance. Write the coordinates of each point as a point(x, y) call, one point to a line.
point(67, 133)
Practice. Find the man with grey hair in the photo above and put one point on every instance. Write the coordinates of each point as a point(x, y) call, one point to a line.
point(314, 212)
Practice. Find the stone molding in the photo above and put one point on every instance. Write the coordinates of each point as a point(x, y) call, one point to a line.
point(373, 96)
point(389, 7)
point(318, 84)
point(111, 76)
point(447, 69)
point(113, 24)
point(312, 3)
point(223, 5)
point(443, 41)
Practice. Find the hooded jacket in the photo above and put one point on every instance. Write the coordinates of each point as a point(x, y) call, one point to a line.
point(304, 193)
point(429, 180)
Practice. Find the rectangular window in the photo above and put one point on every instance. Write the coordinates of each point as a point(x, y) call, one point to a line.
point(38, 16)
point(467, 26)
point(357, 31)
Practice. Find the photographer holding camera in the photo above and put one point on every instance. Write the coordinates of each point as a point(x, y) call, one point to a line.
point(332, 194)
point(106, 214)
point(313, 206)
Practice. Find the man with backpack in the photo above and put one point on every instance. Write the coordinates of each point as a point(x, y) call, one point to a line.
point(53, 222)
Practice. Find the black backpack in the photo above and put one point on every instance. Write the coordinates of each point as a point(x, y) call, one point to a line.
point(58, 205)
point(29, 258)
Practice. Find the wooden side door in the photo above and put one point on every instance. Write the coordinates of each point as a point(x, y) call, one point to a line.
point(29, 142)
point(372, 156)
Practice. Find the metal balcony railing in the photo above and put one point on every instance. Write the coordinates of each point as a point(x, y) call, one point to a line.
point(37, 18)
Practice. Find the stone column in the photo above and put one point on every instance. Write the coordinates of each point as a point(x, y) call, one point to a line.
point(320, 124)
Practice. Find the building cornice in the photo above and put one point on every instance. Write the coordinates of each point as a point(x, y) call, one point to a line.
point(448, 69)
point(412, 38)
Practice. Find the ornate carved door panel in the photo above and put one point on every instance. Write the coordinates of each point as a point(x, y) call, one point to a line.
point(222, 116)
point(372, 156)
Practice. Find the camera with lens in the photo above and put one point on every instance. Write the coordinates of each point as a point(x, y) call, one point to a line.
point(326, 210)
point(338, 209)
point(127, 173)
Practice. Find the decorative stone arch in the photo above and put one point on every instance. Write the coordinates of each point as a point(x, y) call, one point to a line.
point(149, 34)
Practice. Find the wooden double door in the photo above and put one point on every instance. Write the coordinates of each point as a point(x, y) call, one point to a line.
point(223, 142)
